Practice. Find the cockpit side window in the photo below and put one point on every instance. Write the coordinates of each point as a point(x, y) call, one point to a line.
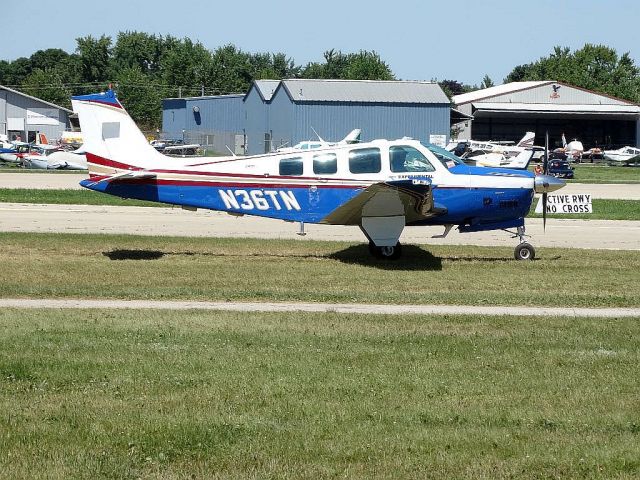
point(291, 166)
point(325, 163)
point(403, 158)
point(365, 160)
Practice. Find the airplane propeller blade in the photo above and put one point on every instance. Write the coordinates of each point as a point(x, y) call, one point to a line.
point(544, 211)
point(545, 168)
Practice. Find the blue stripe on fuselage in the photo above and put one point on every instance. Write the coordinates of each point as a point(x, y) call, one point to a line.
point(313, 204)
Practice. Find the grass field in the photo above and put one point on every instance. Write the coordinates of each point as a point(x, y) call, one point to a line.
point(158, 394)
point(69, 197)
point(130, 267)
point(587, 173)
point(603, 209)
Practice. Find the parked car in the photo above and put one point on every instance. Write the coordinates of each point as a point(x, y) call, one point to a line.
point(560, 168)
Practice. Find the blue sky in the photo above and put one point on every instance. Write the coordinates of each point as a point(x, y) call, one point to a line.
point(420, 40)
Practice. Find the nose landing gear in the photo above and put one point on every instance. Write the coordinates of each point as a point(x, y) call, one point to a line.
point(524, 251)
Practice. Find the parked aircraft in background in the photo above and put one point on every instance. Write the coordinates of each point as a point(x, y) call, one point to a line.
point(47, 157)
point(381, 186)
point(497, 154)
point(623, 156)
point(352, 137)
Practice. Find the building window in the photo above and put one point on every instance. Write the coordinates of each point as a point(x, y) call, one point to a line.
point(365, 160)
point(291, 166)
point(325, 163)
point(407, 159)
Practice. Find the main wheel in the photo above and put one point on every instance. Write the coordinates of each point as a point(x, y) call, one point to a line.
point(524, 251)
point(387, 253)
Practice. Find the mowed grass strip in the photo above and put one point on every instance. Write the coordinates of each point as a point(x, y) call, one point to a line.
point(160, 394)
point(141, 267)
point(69, 197)
point(603, 209)
point(587, 173)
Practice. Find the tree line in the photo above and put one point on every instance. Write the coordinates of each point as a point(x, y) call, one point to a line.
point(145, 68)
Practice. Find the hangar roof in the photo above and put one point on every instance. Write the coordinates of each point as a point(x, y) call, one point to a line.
point(372, 91)
point(496, 91)
point(2, 87)
point(266, 88)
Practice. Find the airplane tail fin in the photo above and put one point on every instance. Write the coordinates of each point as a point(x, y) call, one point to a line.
point(352, 137)
point(521, 161)
point(112, 140)
point(527, 140)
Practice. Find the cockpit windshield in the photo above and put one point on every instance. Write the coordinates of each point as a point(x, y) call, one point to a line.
point(447, 158)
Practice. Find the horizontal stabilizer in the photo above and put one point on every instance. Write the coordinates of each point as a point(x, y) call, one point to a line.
point(129, 174)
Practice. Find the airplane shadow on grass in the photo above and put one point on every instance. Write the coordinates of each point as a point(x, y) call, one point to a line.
point(413, 258)
point(134, 254)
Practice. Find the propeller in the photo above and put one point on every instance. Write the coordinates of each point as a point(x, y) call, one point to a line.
point(545, 171)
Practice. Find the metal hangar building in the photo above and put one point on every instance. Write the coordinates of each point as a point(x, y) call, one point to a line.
point(276, 113)
point(25, 116)
point(506, 112)
point(381, 109)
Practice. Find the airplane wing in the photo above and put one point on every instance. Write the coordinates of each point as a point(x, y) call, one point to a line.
point(412, 198)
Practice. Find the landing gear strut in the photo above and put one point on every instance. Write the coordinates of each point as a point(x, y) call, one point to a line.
point(524, 251)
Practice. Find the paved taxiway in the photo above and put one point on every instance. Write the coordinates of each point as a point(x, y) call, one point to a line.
point(323, 307)
point(157, 221)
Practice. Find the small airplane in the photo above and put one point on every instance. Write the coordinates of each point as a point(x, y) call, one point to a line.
point(381, 186)
point(352, 137)
point(623, 156)
point(497, 154)
point(48, 157)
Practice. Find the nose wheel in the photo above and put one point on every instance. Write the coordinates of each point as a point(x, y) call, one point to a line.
point(524, 251)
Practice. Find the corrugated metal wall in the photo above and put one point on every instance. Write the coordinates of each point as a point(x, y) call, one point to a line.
point(173, 117)
point(282, 120)
point(256, 122)
point(13, 105)
point(292, 123)
point(209, 121)
point(390, 121)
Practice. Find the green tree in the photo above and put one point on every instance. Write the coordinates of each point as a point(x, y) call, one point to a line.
point(141, 96)
point(139, 49)
point(94, 55)
point(187, 65)
point(453, 87)
point(15, 72)
point(232, 70)
point(594, 67)
point(363, 65)
point(48, 59)
point(48, 85)
point(486, 82)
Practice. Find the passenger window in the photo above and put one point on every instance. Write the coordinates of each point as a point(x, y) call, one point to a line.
point(291, 166)
point(407, 159)
point(365, 160)
point(325, 163)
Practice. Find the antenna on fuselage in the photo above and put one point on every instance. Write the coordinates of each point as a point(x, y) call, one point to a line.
point(319, 137)
point(232, 152)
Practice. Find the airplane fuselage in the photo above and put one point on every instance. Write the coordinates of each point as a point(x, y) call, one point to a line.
point(308, 186)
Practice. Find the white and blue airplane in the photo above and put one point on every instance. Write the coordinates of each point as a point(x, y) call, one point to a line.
point(381, 186)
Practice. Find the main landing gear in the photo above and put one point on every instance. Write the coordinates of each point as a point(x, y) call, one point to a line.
point(387, 253)
point(524, 251)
